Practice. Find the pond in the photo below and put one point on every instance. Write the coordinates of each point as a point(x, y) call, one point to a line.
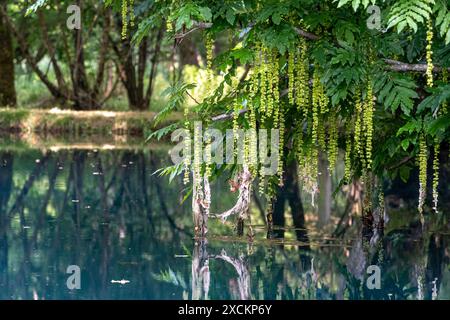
point(130, 233)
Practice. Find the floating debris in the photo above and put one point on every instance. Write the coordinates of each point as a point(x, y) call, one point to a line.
point(181, 256)
point(123, 281)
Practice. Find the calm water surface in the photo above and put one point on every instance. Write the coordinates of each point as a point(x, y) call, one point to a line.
point(106, 212)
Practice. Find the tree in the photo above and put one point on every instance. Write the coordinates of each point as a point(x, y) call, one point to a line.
point(7, 87)
point(74, 81)
point(329, 81)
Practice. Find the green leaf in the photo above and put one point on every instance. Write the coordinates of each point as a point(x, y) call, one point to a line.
point(206, 13)
point(230, 16)
point(404, 173)
point(405, 144)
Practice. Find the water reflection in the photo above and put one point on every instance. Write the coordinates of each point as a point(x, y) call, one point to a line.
point(106, 212)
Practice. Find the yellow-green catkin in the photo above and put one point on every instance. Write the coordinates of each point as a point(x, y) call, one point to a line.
point(315, 106)
point(209, 44)
point(276, 90)
point(263, 86)
point(198, 143)
point(169, 26)
point(321, 140)
point(253, 141)
point(291, 76)
point(302, 91)
point(348, 155)
point(236, 110)
point(444, 106)
point(423, 156)
point(429, 53)
point(124, 18)
point(381, 200)
point(436, 175)
point(368, 123)
point(270, 80)
point(187, 146)
point(208, 158)
point(333, 142)
point(319, 108)
point(281, 145)
point(298, 142)
point(358, 126)
point(132, 17)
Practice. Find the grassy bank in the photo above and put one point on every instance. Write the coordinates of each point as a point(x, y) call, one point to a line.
point(58, 122)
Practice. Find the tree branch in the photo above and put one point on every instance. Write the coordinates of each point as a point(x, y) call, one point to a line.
point(197, 26)
point(395, 65)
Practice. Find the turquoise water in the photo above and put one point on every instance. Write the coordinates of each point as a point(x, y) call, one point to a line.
point(130, 233)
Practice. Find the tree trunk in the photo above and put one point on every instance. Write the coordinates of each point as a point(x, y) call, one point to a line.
point(290, 192)
point(7, 88)
point(81, 92)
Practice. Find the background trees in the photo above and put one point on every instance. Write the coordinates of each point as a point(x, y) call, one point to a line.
point(7, 89)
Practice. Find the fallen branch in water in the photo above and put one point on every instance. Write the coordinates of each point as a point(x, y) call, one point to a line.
point(244, 182)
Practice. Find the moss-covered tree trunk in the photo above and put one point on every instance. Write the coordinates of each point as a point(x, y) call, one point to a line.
point(7, 88)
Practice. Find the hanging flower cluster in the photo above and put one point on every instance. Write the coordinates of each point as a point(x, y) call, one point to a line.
point(131, 3)
point(429, 53)
point(281, 150)
point(187, 146)
point(348, 154)
point(358, 127)
point(444, 107)
point(332, 146)
point(302, 91)
point(253, 140)
point(209, 44)
point(271, 116)
point(291, 76)
point(435, 175)
point(423, 156)
point(368, 124)
point(127, 10)
point(124, 18)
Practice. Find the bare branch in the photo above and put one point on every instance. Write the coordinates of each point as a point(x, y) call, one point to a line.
point(306, 34)
point(197, 26)
point(395, 65)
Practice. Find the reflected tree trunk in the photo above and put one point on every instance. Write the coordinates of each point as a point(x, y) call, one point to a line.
point(6, 174)
point(201, 276)
point(435, 265)
point(43, 211)
point(242, 269)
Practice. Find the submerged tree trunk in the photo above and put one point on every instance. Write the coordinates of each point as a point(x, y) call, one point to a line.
point(7, 87)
